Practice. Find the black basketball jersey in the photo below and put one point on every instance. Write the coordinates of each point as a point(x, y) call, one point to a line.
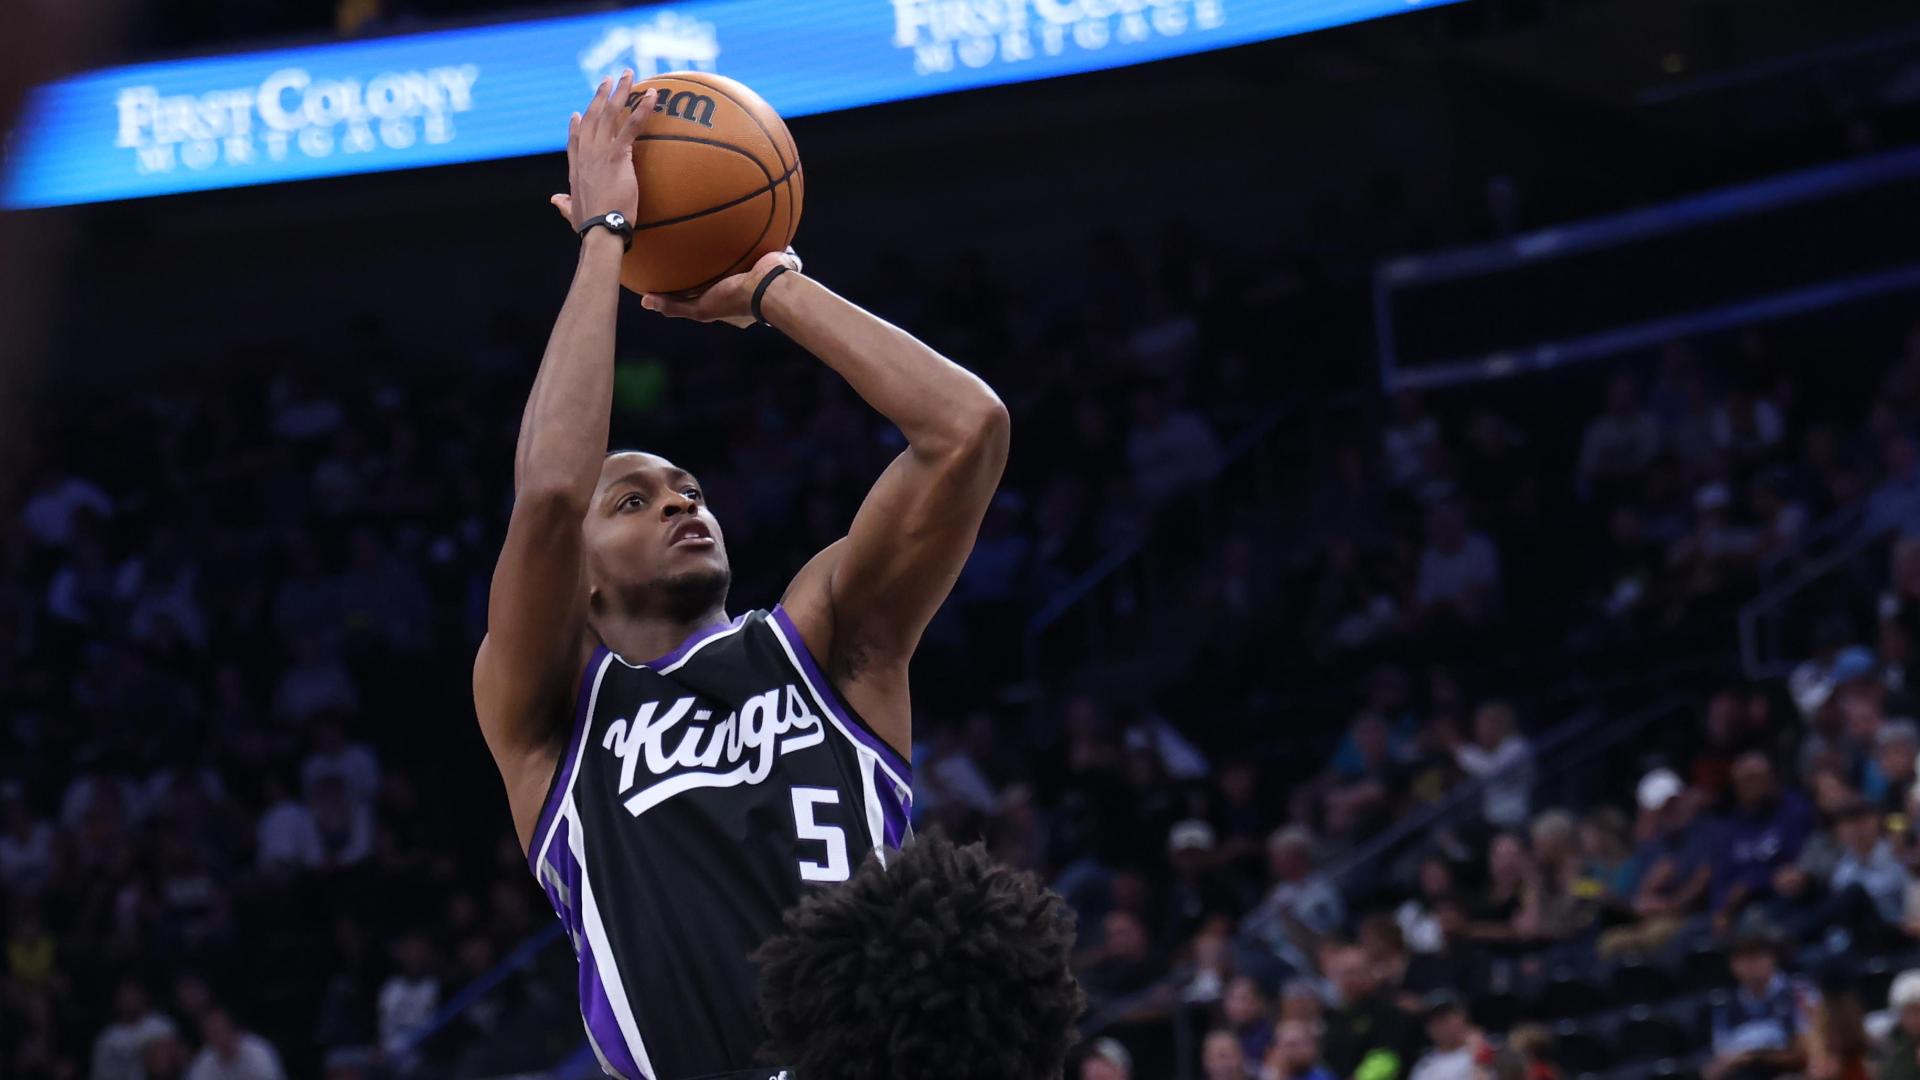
point(699, 794)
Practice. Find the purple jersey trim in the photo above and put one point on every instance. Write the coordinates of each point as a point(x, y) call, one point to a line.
point(855, 726)
point(602, 1026)
point(568, 898)
point(563, 770)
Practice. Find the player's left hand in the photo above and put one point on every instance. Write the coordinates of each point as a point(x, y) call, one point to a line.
point(728, 300)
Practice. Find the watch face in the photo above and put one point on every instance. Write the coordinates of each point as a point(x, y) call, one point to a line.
point(617, 220)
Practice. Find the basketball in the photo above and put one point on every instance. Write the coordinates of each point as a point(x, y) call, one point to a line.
point(720, 184)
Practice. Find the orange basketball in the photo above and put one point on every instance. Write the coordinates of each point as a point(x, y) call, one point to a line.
point(720, 184)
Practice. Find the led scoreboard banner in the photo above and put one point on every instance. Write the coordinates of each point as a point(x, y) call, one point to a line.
point(505, 90)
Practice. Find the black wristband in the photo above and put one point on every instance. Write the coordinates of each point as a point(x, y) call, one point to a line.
point(760, 291)
point(615, 223)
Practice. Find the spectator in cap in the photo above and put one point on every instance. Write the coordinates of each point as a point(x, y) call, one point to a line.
point(1106, 1060)
point(1763, 1029)
point(1296, 1053)
point(1670, 869)
point(1817, 680)
point(1201, 886)
point(1459, 1049)
point(1900, 1057)
point(1888, 778)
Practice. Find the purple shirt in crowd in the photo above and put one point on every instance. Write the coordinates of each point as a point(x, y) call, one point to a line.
point(1751, 846)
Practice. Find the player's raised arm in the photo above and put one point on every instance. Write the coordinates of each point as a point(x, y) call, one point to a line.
point(530, 657)
point(862, 603)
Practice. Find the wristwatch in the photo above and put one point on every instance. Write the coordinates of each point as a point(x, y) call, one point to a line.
point(615, 222)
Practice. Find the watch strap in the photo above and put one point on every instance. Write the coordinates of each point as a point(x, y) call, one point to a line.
point(614, 222)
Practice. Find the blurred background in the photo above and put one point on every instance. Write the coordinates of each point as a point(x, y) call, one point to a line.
point(1448, 611)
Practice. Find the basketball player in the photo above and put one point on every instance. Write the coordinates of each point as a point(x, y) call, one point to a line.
point(677, 776)
point(939, 965)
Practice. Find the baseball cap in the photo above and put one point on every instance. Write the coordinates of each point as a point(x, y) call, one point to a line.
point(1906, 990)
point(1440, 1002)
point(1854, 662)
point(1111, 1050)
point(1190, 835)
point(1658, 788)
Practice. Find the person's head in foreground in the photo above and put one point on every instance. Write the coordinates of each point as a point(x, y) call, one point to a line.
point(940, 965)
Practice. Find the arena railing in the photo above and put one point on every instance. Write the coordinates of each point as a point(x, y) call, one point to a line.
point(1840, 575)
point(1586, 290)
point(1249, 454)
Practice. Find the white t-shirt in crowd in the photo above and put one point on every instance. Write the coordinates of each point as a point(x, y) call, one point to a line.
point(1506, 799)
point(1446, 1065)
point(117, 1052)
point(405, 1007)
point(253, 1059)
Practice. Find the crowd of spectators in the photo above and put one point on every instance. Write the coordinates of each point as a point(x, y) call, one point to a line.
point(247, 828)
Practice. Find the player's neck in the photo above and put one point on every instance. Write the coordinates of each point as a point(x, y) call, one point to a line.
point(640, 638)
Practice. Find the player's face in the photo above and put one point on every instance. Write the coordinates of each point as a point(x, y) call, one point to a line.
point(649, 526)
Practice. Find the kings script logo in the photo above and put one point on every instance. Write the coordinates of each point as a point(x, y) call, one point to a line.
point(291, 111)
point(739, 749)
point(978, 33)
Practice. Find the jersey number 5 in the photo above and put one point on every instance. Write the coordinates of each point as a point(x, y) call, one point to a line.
point(835, 868)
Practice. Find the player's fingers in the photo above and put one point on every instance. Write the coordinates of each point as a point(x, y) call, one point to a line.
point(618, 103)
point(671, 308)
point(614, 100)
point(564, 204)
point(595, 108)
point(794, 260)
point(637, 116)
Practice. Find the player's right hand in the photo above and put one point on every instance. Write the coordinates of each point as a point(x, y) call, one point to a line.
point(600, 176)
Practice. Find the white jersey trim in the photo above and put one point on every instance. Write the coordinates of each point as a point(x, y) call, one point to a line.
point(605, 965)
point(579, 752)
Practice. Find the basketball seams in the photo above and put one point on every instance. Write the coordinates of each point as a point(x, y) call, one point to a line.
point(772, 180)
point(792, 168)
point(718, 145)
point(742, 106)
point(788, 177)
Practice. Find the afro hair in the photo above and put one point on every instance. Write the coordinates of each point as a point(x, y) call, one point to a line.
point(939, 965)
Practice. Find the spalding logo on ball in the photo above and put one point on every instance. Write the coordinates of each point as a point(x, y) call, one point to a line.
point(720, 184)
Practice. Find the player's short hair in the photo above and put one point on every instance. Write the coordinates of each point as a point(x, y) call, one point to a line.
point(940, 965)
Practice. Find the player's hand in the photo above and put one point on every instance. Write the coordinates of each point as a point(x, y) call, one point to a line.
point(600, 153)
point(729, 300)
